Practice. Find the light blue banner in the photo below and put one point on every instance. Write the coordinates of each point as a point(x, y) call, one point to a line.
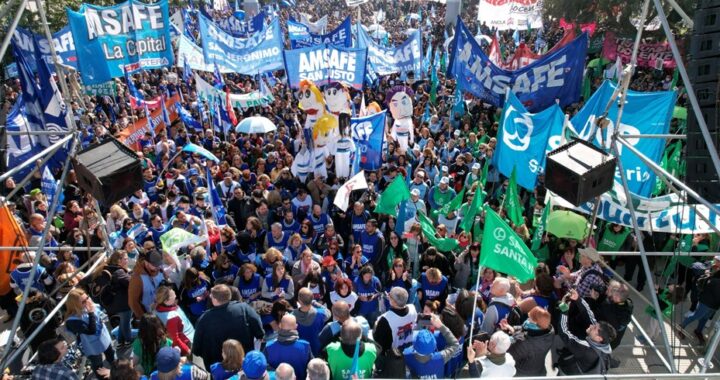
point(389, 60)
point(297, 31)
point(644, 113)
point(256, 54)
point(62, 39)
point(368, 133)
point(235, 26)
point(324, 64)
point(108, 38)
point(522, 140)
point(557, 76)
point(340, 37)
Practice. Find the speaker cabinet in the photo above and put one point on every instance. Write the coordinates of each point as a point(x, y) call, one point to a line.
point(578, 171)
point(110, 171)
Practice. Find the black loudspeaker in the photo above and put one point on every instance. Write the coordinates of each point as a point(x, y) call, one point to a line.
point(704, 71)
point(578, 171)
point(110, 171)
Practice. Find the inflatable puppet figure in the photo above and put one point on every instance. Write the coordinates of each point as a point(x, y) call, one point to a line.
point(399, 100)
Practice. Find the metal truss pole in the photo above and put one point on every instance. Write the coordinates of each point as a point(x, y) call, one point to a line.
point(36, 157)
point(660, 171)
point(682, 13)
point(48, 35)
point(13, 26)
point(38, 253)
point(690, 92)
point(656, 136)
point(643, 257)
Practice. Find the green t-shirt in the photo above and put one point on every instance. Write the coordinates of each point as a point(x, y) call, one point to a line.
point(340, 363)
point(148, 364)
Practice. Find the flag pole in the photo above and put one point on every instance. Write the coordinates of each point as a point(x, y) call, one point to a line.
point(477, 292)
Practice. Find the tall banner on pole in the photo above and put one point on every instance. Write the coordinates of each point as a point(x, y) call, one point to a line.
point(556, 77)
point(109, 38)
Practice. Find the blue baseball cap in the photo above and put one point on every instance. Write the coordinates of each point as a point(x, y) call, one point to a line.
point(425, 343)
point(167, 359)
point(254, 365)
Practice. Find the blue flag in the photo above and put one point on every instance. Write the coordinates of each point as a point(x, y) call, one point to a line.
point(427, 59)
point(260, 52)
point(137, 100)
point(25, 41)
point(644, 113)
point(523, 139)
point(187, 71)
point(324, 64)
point(186, 118)
point(389, 60)
point(340, 37)
point(48, 184)
point(234, 25)
point(197, 149)
point(218, 81)
point(23, 146)
point(297, 31)
point(165, 113)
point(218, 210)
point(558, 75)
point(108, 38)
point(368, 133)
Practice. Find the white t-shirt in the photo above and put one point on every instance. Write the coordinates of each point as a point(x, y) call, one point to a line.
point(350, 299)
point(492, 370)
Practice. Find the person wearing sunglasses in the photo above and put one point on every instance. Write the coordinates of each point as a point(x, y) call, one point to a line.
point(83, 319)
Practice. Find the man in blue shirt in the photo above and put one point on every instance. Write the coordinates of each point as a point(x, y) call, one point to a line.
point(372, 242)
point(289, 348)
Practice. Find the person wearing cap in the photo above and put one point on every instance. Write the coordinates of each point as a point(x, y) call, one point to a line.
point(418, 183)
point(590, 352)
point(412, 207)
point(589, 275)
point(170, 366)
point(144, 281)
point(194, 181)
point(422, 359)
point(310, 320)
point(227, 187)
point(340, 355)
point(331, 271)
point(441, 194)
point(254, 368)
point(492, 358)
point(288, 347)
point(474, 175)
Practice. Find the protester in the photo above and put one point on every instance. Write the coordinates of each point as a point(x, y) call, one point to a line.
point(288, 347)
point(423, 359)
point(50, 366)
point(340, 355)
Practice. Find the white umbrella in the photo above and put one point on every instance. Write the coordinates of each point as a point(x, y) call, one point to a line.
point(255, 124)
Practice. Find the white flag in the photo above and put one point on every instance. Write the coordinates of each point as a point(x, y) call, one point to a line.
point(342, 197)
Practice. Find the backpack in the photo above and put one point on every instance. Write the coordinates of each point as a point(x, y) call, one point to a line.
point(101, 290)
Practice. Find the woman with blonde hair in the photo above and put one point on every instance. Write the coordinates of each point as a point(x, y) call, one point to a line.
point(233, 355)
point(266, 262)
point(83, 319)
point(115, 218)
point(178, 326)
point(295, 247)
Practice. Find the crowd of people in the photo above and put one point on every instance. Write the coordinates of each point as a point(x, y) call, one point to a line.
point(294, 287)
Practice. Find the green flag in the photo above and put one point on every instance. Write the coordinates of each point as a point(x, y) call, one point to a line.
point(672, 163)
point(540, 229)
point(453, 205)
point(504, 251)
point(428, 229)
point(469, 218)
point(178, 238)
point(395, 193)
point(443, 61)
point(586, 88)
point(512, 202)
point(675, 78)
point(484, 175)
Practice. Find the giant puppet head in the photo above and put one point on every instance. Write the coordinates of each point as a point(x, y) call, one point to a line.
point(310, 98)
point(337, 98)
point(325, 130)
point(399, 100)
